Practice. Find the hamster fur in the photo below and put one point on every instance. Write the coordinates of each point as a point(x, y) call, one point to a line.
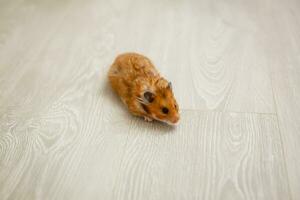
point(141, 88)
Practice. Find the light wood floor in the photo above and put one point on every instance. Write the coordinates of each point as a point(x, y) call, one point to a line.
point(235, 68)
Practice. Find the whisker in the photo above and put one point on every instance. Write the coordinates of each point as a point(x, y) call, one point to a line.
point(142, 101)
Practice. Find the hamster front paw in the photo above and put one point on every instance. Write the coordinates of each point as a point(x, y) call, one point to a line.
point(148, 119)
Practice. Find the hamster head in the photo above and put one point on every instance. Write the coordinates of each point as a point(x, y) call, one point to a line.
point(159, 102)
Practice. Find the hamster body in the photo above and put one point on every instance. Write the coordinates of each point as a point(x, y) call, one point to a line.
point(141, 88)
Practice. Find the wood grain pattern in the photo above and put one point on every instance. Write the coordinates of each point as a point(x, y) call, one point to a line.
point(55, 104)
point(214, 53)
point(222, 156)
point(284, 62)
point(65, 135)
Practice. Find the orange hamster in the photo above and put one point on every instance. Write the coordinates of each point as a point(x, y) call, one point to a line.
point(141, 88)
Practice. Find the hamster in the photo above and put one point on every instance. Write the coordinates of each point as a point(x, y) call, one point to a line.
point(141, 88)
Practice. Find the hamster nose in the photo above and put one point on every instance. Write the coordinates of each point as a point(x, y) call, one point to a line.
point(175, 120)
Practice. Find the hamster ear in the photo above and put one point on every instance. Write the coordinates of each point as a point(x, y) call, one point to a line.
point(169, 86)
point(148, 96)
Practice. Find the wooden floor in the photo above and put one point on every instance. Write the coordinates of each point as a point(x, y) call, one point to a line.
point(235, 68)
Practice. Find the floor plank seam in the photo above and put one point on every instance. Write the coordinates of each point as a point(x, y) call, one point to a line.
point(280, 136)
point(228, 111)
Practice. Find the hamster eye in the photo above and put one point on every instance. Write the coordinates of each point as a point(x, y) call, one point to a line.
point(165, 110)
